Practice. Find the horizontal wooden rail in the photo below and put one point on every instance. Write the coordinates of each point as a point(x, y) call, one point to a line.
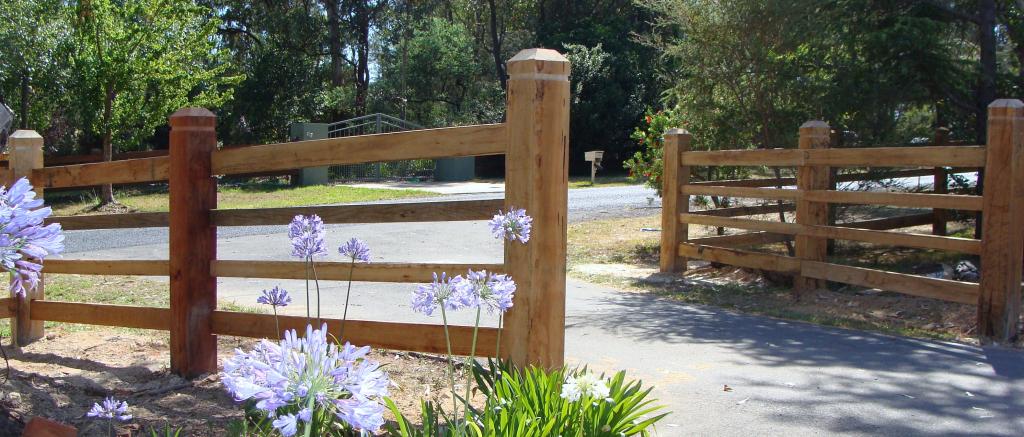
point(375, 213)
point(112, 221)
point(908, 200)
point(339, 271)
point(763, 193)
point(748, 224)
point(129, 171)
point(478, 140)
point(741, 258)
point(758, 157)
point(848, 177)
point(100, 314)
point(897, 222)
point(736, 211)
point(944, 289)
point(741, 240)
point(930, 156)
point(52, 161)
point(890, 238)
point(962, 245)
point(108, 267)
point(760, 237)
point(8, 307)
point(388, 335)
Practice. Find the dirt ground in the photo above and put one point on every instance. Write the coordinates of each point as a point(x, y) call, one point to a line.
point(61, 376)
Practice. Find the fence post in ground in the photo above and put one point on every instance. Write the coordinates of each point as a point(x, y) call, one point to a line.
point(941, 184)
point(193, 242)
point(26, 154)
point(1002, 245)
point(813, 135)
point(673, 201)
point(536, 178)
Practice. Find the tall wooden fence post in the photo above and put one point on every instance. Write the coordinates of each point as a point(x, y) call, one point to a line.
point(193, 242)
point(813, 135)
point(26, 154)
point(673, 201)
point(1002, 245)
point(940, 184)
point(536, 178)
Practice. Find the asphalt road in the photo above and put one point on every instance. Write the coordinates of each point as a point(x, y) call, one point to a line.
point(584, 204)
point(783, 378)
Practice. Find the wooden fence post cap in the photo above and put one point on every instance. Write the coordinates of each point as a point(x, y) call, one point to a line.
point(539, 64)
point(815, 124)
point(1006, 103)
point(677, 131)
point(26, 135)
point(195, 117)
point(1003, 108)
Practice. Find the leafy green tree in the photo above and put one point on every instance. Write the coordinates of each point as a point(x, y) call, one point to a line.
point(137, 62)
point(29, 60)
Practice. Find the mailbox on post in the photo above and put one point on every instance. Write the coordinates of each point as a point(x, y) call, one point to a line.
point(594, 158)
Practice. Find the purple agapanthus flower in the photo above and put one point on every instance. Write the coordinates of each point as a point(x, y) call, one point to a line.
point(444, 290)
point(513, 225)
point(307, 235)
point(286, 425)
point(110, 409)
point(297, 372)
point(24, 241)
point(276, 296)
point(491, 291)
point(356, 250)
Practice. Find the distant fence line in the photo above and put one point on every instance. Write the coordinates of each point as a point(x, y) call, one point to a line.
point(1000, 249)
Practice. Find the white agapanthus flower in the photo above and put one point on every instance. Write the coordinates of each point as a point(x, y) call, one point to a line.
point(587, 384)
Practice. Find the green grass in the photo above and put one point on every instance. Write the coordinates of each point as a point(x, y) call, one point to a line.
point(267, 195)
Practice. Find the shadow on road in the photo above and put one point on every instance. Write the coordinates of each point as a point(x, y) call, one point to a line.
point(904, 383)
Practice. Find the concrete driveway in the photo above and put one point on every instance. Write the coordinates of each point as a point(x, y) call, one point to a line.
point(784, 378)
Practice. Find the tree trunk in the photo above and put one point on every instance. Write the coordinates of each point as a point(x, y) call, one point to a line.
point(25, 91)
point(334, 43)
point(499, 63)
point(986, 91)
point(107, 190)
point(361, 20)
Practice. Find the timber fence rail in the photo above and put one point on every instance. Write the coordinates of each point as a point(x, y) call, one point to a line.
point(534, 140)
point(998, 295)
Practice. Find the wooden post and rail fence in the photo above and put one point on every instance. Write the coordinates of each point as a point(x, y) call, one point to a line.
point(1001, 248)
point(534, 140)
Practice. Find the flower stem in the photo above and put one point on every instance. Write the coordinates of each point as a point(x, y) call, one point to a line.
point(277, 324)
point(451, 364)
point(307, 292)
point(497, 347)
point(316, 281)
point(344, 314)
point(472, 358)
